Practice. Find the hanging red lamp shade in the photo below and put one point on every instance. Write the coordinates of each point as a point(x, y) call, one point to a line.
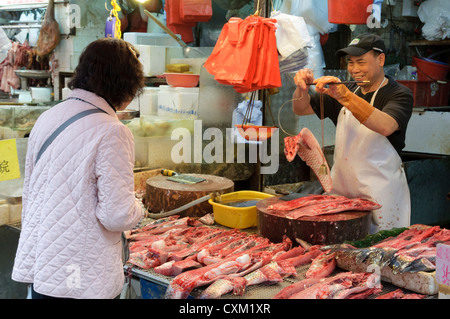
point(349, 12)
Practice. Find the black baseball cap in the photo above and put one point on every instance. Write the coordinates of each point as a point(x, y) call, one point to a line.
point(363, 44)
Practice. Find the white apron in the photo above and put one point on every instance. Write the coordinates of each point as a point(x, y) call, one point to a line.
point(367, 165)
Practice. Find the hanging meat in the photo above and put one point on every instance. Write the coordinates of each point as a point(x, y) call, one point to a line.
point(9, 78)
point(49, 35)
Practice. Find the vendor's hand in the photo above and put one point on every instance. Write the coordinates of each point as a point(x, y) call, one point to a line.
point(360, 108)
point(302, 77)
point(337, 91)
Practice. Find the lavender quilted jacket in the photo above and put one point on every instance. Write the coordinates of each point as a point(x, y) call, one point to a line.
point(77, 201)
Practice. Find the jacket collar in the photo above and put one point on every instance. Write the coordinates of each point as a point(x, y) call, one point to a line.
point(94, 99)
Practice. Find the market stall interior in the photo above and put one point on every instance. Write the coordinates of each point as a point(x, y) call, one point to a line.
point(236, 189)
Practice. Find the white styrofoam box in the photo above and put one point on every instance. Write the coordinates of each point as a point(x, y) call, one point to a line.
point(166, 101)
point(147, 102)
point(187, 102)
point(4, 214)
point(137, 38)
point(15, 213)
point(153, 58)
point(152, 27)
point(173, 53)
point(178, 102)
point(195, 63)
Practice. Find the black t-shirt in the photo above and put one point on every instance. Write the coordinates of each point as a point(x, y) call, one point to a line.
point(394, 99)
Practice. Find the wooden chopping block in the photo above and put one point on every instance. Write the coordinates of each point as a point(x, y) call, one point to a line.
point(421, 282)
point(316, 230)
point(163, 195)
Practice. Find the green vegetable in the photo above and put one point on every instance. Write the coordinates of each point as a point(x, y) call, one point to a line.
point(370, 240)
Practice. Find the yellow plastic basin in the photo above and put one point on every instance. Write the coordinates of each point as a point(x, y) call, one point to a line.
point(236, 217)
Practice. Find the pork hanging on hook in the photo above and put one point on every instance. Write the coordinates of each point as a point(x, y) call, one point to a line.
point(245, 55)
point(49, 35)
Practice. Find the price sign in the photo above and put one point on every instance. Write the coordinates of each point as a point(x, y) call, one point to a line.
point(9, 160)
point(443, 264)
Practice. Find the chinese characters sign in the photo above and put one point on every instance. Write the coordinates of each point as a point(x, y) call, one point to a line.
point(9, 161)
point(443, 264)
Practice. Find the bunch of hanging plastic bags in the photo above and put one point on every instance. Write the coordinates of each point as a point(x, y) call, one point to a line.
point(245, 55)
point(293, 41)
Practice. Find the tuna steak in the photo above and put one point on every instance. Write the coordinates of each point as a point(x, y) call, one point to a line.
point(304, 201)
point(336, 206)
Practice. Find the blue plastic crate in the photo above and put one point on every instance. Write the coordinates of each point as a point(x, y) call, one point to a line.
point(151, 290)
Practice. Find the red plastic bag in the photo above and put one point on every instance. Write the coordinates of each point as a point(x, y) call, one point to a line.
point(245, 55)
point(175, 23)
point(195, 10)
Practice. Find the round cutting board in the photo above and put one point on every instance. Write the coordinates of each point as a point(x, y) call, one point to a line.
point(316, 230)
point(163, 195)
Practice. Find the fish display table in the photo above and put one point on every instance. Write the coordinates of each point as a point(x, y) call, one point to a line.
point(160, 278)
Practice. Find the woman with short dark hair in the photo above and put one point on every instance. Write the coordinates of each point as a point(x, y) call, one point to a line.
point(78, 195)
point(110, 68)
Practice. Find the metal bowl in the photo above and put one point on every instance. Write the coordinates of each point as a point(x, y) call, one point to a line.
point(33, 74)
point(127, 114)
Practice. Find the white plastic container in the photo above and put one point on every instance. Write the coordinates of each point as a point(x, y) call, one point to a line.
point(41, 94)
point(187, 102)
point(147, 102)
point(153, 58)
point(167, 99)
point(137, 38)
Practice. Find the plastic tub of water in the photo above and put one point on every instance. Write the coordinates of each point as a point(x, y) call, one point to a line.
point(237, 209)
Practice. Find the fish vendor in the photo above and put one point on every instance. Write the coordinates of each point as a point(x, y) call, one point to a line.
point(371, 118)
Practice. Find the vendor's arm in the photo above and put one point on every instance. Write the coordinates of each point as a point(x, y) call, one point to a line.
point(374, 119)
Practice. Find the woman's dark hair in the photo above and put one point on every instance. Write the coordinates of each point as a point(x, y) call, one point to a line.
point(111, 69)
